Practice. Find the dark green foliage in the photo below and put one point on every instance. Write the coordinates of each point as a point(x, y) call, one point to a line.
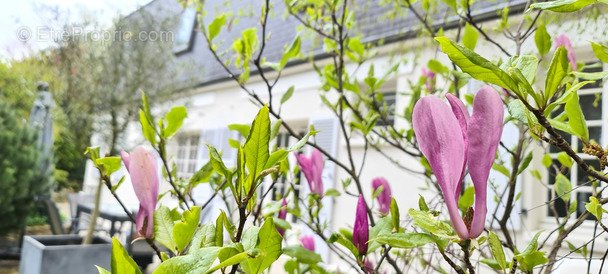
point(20, 180)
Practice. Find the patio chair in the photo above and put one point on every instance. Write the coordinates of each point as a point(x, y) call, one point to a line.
point(53, 217)
point(81, 223)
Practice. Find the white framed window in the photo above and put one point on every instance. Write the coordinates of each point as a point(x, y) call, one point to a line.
point(389, 101)
point(186, 154)
point(593, 106)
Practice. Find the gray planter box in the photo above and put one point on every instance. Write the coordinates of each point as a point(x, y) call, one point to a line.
point(63, 254)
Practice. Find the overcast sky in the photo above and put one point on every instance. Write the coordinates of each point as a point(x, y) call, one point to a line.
point(22, 20)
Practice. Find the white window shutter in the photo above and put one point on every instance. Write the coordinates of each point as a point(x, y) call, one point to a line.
point(327, 139)
point(218, 138)
point(510, 136)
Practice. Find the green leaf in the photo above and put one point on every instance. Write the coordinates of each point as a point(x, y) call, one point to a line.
point(163, 227)
point(204, 237)
point(102, 271)
point(236, 259)
point(292, 51)
point(299, 144)
point(269, 245)
point(175, 119)
point(422, 204)
point(275, 158)
point(526, 64)
point(467, 198)
point(395, 215)
point(341, 239)
point(256, 146)
point(428, 222)
point(195, 262)
point(530, 257)
point(576, 119)
point(274, 129)
point(500, 168)
point(594, 207)
point(332, 192)
point(383, 226)
point(497, 251)
point(219, 230)
point(115, 187)
point(562, 187)
point(109, 165)
point(469, 39)
point(562, 5)
point(404, 240)
point(184, 230)
point(525, 163)
point(147, 128)
point(491, 263)
point(557, 72)
point(287, 95)
point(542, 39)
point(601, 52)
point(242, 129)
point(547, 160)
point(377, 192)
point(564, 159)
point(250, 238)
point(218, 164)
point(436, 66)
point(477, 66)
point(590, 75)
point(121, 261)
point(93, 153)
point(216, 25)
point(302, 254)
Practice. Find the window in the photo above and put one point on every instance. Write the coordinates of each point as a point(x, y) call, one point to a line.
point(388, 102)
point(592, 106)
point(187, 148)
point(284, 184)
point(185, 31)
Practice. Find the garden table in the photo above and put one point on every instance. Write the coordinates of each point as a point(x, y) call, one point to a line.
point(111, 212)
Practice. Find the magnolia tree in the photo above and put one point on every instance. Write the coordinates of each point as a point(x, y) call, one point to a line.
point(448, 141)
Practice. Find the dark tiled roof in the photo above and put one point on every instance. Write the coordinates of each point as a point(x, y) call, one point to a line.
point(371, 21)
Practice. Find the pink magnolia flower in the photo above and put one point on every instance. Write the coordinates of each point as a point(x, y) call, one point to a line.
point(430, 78)
point(436, 127)
point(312, 167)
point(563, 40)
point(282, 215)
point(141, 165)
point(368, 266)
point(361, 227)
point(384, 199)
point(308, 242)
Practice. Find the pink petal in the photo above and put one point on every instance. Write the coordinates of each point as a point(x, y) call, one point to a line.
point(125, 158)
point(384, 199)
point(439, 136)
point(306, 168)
point(144, 178)
point(462, 115)
point(361, 227)
point(485, 130)
point(282, 215)
point(145, 216)
point(308, 242)
point(563, 40)
point(317, 169)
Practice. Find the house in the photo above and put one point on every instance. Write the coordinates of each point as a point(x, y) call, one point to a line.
point(216, 101)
